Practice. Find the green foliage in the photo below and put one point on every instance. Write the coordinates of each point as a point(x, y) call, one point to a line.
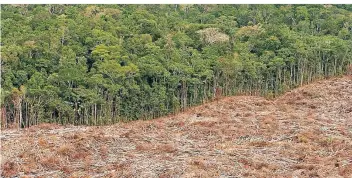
point(99, 64)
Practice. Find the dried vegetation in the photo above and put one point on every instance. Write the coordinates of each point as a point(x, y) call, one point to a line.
point(304, 133)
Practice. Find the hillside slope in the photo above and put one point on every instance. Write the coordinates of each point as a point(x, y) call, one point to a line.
point(306, 133)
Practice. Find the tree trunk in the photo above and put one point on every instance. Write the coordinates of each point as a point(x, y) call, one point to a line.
point(3, 118)
point(20, 114)
point(95, 114)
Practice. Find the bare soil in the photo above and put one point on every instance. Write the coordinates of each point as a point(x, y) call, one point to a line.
point(304, 133)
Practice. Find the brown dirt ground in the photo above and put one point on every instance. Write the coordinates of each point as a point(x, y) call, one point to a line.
point(304, 133)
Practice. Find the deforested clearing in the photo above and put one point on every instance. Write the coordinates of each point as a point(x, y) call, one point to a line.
point(306, 132)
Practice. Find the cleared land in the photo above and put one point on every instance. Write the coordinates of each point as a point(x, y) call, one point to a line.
point(305, 133)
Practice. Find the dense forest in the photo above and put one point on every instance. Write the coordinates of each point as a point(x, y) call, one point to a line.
point(100, 64)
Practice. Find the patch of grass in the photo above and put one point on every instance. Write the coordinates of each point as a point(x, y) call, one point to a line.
point(29, 166)
point(144, 147)
point(205, 123)
point(167, 148)
point(104, 151)
point(259, 143)
point(9, 169)
point(79, 155)
point(65, 150)
point(66, 169)
point(303, 166)
point(200, 163)
point(42, 142)
point(50, 162)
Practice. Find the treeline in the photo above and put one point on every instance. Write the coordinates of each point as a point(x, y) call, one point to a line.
point(100, 64)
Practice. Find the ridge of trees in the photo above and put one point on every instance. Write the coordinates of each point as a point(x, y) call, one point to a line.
point(100, 64)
